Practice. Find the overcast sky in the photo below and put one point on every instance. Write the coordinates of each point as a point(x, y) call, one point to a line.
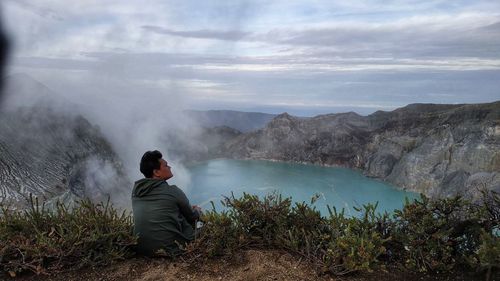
point(304, 57)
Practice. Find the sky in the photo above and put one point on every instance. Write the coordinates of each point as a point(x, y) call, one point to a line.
point(302, 57)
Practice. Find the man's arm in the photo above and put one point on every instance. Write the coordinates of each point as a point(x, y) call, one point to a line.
point(187, 211)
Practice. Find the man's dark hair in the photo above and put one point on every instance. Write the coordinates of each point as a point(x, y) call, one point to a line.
point(150, 161)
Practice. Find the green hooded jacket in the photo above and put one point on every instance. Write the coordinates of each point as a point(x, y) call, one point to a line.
point(162, 215)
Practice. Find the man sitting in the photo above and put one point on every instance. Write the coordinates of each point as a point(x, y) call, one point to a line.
point(162, 215)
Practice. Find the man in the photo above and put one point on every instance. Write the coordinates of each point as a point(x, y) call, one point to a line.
point(162, 215)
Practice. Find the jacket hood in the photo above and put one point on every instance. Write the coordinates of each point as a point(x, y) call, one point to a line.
point(144, 186)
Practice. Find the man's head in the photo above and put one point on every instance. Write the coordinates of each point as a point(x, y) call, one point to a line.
point(153, 166)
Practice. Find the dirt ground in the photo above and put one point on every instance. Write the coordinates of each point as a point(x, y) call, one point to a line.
point(249, 265)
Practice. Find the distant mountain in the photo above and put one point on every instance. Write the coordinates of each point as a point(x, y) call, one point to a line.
point(205, 144)
point(241, 121)
point(52, 155)
point(435, 149)
point(22, 90)
point(439, 150)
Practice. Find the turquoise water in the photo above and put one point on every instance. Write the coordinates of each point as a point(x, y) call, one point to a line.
point(339, 187)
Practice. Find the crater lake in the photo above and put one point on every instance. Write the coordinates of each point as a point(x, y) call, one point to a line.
point(335, 187)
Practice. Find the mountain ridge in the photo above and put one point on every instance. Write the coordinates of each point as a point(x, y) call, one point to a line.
point(437, 149)
point(426, 148)
point(239, 120)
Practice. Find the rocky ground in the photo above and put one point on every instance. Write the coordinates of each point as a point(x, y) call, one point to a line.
point(248, 265)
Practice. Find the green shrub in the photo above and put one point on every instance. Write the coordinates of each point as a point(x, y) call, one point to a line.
point(441, 235)
point(259, 220)
point(356, 243)
point(424, 231)
point(425, 235)
point(246, 222)
point(42, 240)
point(304, 231)
point(489, 252)
point(220, 236)
point(337, 244)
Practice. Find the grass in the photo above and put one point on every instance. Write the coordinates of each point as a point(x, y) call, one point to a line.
point(44, 241)
point(432, 236)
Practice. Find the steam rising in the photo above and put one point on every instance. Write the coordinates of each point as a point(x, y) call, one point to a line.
point(132, 119)
point(132, 69)
point(136, 106)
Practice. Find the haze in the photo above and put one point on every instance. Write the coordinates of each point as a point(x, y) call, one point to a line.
point(132, 68)
point(305, 57)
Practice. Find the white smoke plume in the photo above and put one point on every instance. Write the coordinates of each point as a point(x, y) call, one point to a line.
point(132, 119)
point(118, 75)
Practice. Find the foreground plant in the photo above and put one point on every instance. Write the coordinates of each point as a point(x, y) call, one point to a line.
point(336, 244)
point(437, 236)
point(433, 236)
point(43, 241)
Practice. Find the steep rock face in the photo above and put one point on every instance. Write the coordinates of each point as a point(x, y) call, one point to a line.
point(54, 156)
point(440, 150)
point(435, 149)
point(327, 140)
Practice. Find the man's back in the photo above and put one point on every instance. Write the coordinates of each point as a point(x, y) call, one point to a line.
point(162, 215)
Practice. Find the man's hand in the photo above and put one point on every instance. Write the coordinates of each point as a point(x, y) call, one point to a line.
point(197, 208)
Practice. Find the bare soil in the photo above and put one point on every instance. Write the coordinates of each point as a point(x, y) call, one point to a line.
point(248, 265)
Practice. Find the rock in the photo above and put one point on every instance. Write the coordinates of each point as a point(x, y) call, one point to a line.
point(381, 165)
point(55, 156)
point(439, 150)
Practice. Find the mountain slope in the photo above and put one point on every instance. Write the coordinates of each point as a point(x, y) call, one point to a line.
point(49, 154)
point(435, 149)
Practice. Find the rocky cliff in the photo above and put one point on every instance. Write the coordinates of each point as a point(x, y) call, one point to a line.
point(438, 150)
point(53, 155)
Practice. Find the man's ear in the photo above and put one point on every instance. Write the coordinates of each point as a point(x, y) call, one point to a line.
point(155, 172)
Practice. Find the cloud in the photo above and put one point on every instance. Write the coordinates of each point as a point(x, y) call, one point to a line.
point(255, 52)
point(274, 84)
point(38, 10)
point(53, 63)
point(132, 68)
point(232, 35)
point(467, 35)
